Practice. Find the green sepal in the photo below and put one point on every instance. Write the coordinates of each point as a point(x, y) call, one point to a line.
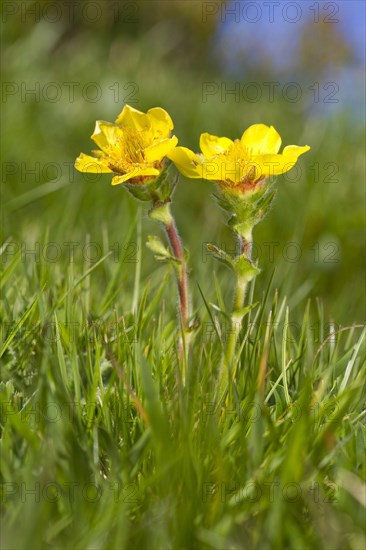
point(264, 204)
point(159, 189)
point(138, 191)
point(162, 187)
point(246, 209)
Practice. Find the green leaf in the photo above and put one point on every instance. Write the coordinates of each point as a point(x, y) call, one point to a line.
point(221, 255)
point(245, 310)
point(245, 269)
point(158, 248)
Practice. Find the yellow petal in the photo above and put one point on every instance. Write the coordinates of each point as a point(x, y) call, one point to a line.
point(296, 150)
point(161, 122)
point(272, 165)
point(132, 118)
point(213, 145)
point(86, 163)
point(135, 173)
point(187, 162)
point(261, 139)
point(105, 134)
point(160, 149)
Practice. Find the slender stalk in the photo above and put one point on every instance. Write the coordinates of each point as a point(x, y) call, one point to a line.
point(161, 212)
point(236, 318)
point(183, 293)
point(236, 315)
point(182, 276)
point(227, 364)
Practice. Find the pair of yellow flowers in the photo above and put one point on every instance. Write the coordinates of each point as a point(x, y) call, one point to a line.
point(135, 146)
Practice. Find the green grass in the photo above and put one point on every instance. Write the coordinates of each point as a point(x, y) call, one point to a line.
point(103, 447)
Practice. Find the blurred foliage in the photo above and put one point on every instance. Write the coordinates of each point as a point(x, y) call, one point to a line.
point(327, 40)
point(84, 67)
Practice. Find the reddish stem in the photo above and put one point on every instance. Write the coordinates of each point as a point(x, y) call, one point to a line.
point(182, 277)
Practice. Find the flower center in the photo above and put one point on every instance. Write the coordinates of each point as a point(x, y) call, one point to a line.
point(237, 159)
point(128, 150)
point(239, 153)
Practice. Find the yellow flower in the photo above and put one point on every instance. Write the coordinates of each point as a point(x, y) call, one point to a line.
point(133, 147)
point(240, 163)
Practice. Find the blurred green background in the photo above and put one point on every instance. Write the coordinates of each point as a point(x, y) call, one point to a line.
point(65, 67)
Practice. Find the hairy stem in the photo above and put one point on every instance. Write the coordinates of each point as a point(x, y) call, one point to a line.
point(161, 212)
point(236, 318)
point(182, 276)
point(228, 365)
